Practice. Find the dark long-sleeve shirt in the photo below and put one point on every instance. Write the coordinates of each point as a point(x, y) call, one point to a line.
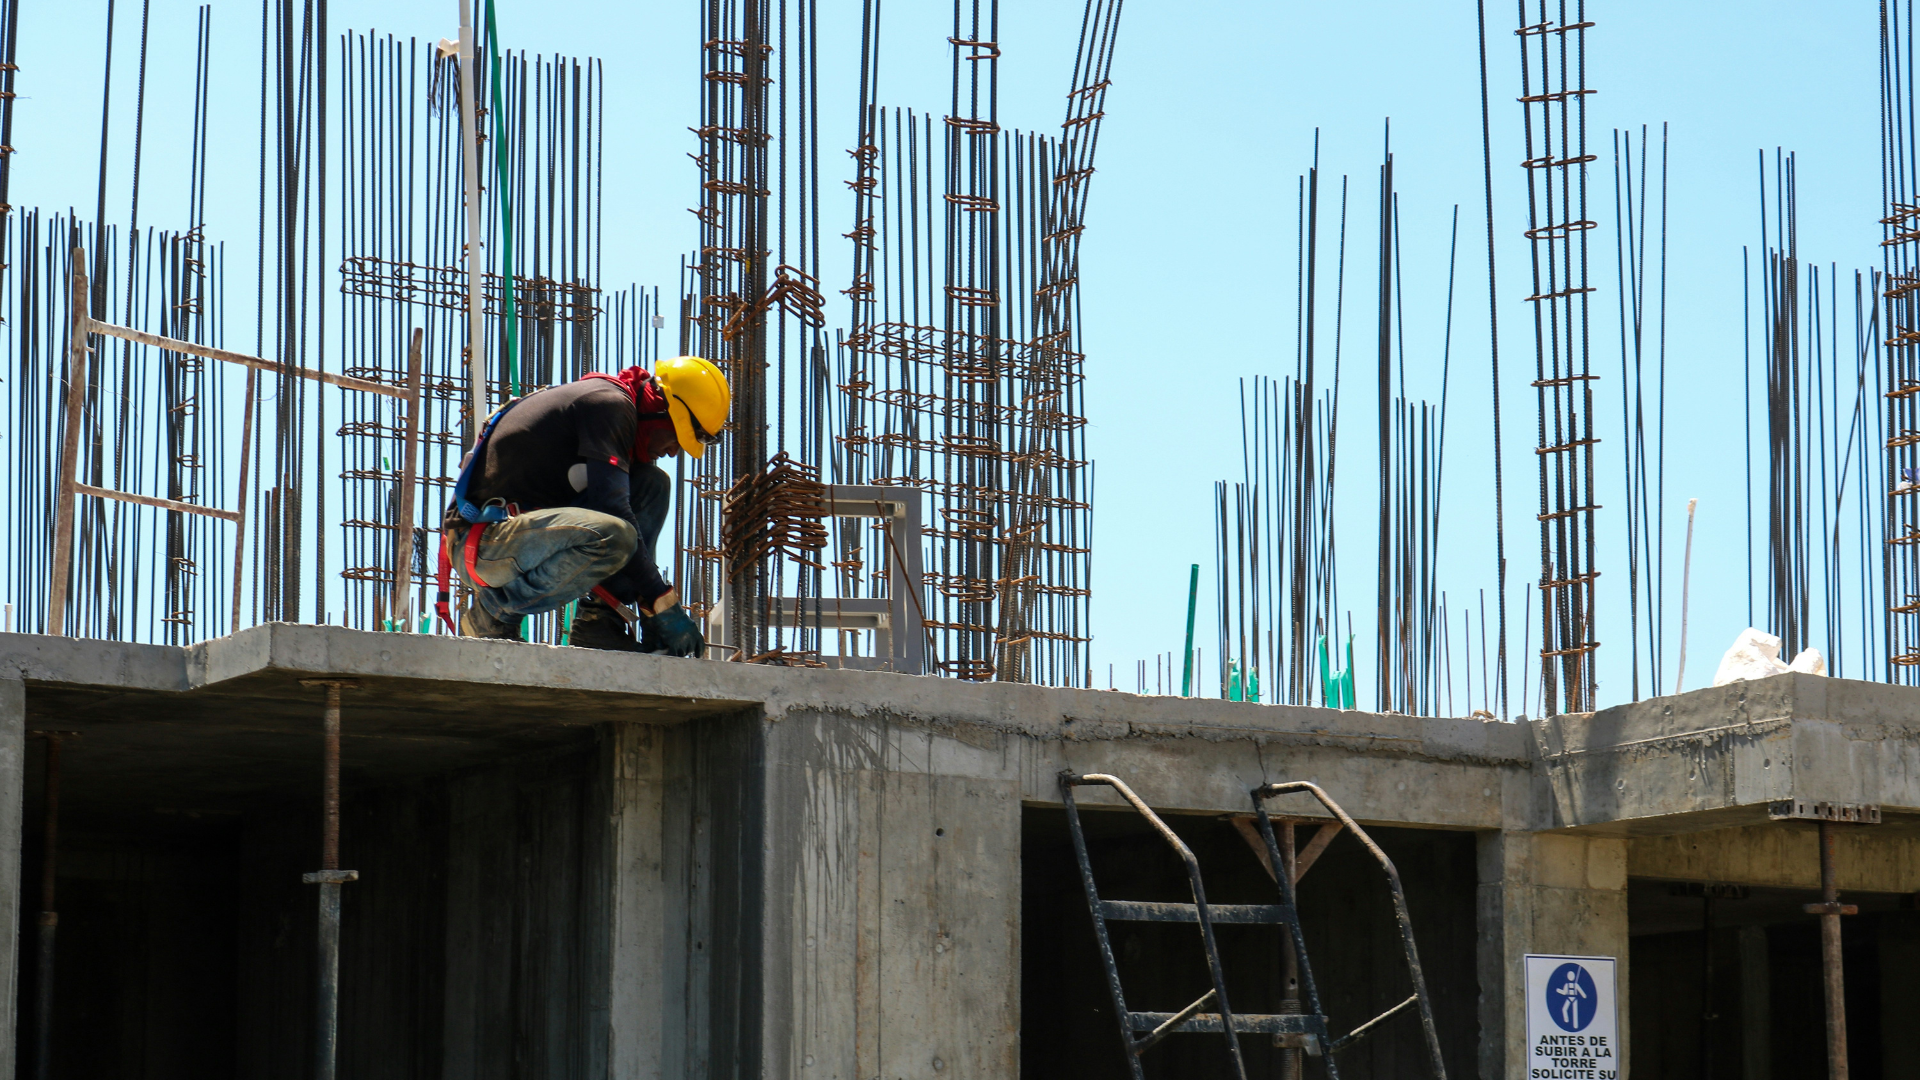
point(572, 445)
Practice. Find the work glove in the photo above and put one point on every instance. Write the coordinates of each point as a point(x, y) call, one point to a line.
point(669, 629)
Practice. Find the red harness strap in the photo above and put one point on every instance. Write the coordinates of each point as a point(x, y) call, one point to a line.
point(469, 551)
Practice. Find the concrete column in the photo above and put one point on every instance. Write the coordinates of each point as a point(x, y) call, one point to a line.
point(13, 755)
point(1543, 893)
point(892, 948)
point(639, 987)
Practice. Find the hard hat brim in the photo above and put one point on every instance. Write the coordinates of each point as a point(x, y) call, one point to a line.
point(682, 417)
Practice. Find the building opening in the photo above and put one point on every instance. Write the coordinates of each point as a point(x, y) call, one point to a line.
point(1068, 1025)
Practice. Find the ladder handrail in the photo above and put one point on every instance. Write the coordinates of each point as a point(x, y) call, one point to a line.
point(1401, 915)
point(1069, 781)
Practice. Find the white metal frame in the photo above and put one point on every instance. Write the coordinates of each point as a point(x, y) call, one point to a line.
point(896, 619)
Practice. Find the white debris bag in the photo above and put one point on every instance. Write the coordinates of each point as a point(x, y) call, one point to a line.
point(1809, 662)
point(1756, 655)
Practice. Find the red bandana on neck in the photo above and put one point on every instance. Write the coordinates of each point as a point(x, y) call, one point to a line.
point(649, 401)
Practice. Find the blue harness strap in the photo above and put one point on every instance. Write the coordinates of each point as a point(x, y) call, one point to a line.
point(479, 515)
point(494, 509)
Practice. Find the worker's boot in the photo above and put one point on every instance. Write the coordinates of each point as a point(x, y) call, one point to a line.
point(478, 622)
point(597, 626)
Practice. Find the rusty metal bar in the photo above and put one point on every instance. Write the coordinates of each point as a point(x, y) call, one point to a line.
point(1405, 920)
point(1173, 1023)
point(470, 179)
point(240, 524)
point(77, 351)
point(1368, 1028)
point(1830, 909)
point(156, 502)
point(330, 877)
point(141, 337)
point(401, 609)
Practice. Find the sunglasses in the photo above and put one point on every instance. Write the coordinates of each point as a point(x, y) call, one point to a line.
point(700, 433)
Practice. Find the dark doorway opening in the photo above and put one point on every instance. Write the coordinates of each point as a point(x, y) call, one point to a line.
point(186, 942)
point(1067, 1023)
point(1739, 994)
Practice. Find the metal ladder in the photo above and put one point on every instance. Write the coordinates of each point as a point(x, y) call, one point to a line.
point(1302, 1031)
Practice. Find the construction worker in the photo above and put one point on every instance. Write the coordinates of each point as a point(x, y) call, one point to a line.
point(562, 501)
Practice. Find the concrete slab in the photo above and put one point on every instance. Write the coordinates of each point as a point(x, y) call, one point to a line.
point(1718, 758)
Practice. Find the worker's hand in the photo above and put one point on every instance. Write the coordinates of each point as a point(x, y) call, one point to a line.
point(672, 631)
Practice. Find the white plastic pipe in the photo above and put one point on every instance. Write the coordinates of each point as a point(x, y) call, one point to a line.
point(1686, 570)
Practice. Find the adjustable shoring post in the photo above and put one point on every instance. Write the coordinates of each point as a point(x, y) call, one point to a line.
point(330, 877)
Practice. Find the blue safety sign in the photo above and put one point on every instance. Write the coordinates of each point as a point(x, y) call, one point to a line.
point(1572, 1018)
point(1572, 998)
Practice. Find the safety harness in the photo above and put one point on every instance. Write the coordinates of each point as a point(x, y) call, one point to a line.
point(480, 515)
point(478, 518)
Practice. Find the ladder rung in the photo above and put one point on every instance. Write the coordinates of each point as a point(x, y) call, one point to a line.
point(1139, 911)
point(1269, 1023)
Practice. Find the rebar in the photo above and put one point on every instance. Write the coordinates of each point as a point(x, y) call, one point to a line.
point(1554, 102)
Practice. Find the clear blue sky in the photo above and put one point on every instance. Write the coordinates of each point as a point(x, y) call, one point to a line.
point(1188, 262)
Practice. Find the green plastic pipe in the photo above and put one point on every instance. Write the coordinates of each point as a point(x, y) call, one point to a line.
point(1186, 666)
point(506, 207)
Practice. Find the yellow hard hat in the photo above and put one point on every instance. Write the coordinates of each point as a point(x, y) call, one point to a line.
point(697, 399)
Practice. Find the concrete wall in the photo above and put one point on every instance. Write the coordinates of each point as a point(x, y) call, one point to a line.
point(1867, 858)
point(473, 945)
point(1543, 893)
point(821, 896)
point(893, 935)
point(893, 888)
point(13, 726)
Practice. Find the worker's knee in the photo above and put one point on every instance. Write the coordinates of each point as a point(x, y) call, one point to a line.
point(614, 543)
point(623, 539)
